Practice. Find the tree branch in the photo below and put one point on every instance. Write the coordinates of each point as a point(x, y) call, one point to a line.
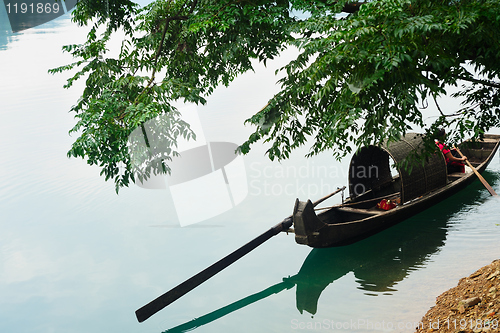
point(155, 62)
point(437, 105)
point(167, 21)
point(486, 83)
point(160, 47)
point(351, 7)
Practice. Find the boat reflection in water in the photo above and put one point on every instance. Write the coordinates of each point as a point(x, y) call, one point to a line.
point(378, 262)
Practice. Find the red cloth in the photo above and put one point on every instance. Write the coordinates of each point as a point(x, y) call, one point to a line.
point(456, 166)
point(386, 204)
point(445, 151)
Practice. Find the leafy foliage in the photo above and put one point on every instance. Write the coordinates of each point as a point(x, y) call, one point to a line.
point(359, 78)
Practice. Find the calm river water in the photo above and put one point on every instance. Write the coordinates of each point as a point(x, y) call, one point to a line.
point(76, 257)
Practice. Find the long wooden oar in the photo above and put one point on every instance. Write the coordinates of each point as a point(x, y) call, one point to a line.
point(485, 183)
point(177, 292)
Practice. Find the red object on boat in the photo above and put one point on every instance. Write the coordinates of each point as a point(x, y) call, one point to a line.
point(386, 204)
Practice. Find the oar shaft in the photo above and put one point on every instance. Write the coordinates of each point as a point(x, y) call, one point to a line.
point(317, 202)
point(485, 183)
point(170, 296)
point(177, 292)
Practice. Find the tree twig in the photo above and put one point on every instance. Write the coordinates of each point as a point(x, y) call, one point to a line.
point(169, 19)
point(484, 82)
point(437, 105)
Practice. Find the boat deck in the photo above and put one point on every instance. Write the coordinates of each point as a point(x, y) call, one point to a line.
point(372, 211)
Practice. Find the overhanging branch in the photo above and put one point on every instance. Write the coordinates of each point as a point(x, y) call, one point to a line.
point(351, 7)
point(484, 82)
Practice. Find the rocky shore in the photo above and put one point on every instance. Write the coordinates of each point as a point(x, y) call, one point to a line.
point(472, 306)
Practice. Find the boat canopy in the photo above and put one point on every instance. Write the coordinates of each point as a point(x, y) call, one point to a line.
point(370, 169)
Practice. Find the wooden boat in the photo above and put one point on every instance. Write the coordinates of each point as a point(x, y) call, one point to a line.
point(371, 181)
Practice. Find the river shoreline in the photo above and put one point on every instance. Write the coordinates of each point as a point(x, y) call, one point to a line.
point(472, 306)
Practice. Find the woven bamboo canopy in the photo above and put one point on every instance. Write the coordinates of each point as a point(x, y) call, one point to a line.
point(370, 168)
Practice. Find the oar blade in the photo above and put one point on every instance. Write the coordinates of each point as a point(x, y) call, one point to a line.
point(485, 183)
